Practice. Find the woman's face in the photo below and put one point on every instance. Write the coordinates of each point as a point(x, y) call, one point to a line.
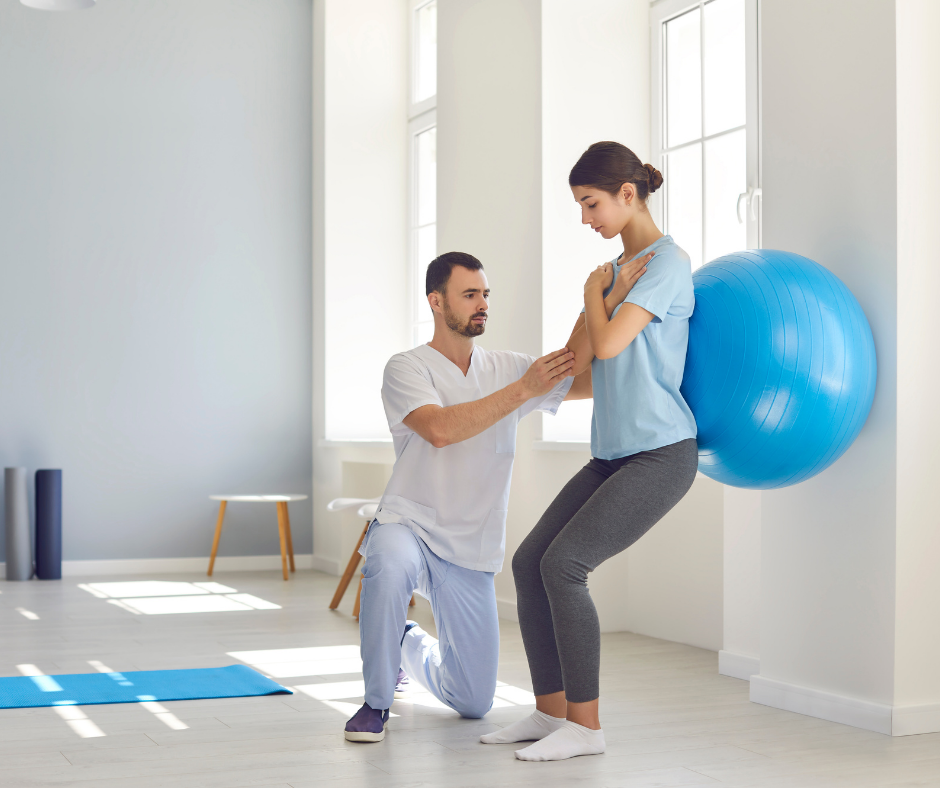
point(607, 213)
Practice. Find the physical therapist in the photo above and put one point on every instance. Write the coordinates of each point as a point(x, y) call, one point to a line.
point(440, 528)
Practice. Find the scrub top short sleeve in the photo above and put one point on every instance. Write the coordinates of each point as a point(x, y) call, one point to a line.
point(405, 388)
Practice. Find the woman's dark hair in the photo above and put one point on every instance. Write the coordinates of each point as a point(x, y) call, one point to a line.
point(609, 165)
point(440, 268)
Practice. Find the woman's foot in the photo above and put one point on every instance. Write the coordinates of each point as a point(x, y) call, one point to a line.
point(536, 726)
point(568, 741)
point(367, 724)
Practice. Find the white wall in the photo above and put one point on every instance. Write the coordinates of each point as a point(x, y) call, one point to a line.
point(579, 107)
point(155, 267)
point(917, 650)
point(829, 183)
point(740, 654)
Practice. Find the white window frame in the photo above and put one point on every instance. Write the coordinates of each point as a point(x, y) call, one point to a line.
point(750, 203)
point(422, 116)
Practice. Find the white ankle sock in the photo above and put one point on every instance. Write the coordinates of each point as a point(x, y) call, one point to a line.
point(568, 741)
point(536, 726)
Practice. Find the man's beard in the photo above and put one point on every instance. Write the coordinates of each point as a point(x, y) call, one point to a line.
point(468, 329)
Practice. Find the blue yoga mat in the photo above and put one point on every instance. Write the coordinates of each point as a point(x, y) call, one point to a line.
point(86, 689)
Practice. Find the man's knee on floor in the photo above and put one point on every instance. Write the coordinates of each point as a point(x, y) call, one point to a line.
point(474, 705)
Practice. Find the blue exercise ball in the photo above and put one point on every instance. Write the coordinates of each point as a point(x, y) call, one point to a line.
point(780, 372)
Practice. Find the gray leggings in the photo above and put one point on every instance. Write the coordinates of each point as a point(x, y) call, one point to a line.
point(604, 509)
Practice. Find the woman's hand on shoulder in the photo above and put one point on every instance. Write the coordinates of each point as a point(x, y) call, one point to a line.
point(628, 276)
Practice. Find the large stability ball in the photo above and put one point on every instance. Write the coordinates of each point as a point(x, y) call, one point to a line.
point(780, 372)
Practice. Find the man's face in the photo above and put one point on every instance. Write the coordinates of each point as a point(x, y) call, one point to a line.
point(465, 304)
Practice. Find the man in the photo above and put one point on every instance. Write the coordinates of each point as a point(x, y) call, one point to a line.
point(440, 527)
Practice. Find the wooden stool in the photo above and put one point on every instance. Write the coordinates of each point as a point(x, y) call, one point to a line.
point(283, 524)
point(367, 507)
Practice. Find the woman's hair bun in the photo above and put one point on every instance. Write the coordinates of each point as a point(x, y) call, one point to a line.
point(655, 177)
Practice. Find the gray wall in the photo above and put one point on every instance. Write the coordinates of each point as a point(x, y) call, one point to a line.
point(155, 281)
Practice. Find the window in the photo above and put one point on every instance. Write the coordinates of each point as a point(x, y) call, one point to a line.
point(422, 139)
point(705, 125)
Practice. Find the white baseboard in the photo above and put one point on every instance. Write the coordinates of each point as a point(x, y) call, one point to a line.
point(143, 566)
point(737, 666)
point(507, 610)
point(823, 705)
point(329, 566)
point(912, 720)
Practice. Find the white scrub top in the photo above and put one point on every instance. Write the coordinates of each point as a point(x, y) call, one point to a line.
point(455, 498)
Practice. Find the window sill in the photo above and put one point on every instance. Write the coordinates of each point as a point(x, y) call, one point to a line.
point(381, 443)
point(561, 446)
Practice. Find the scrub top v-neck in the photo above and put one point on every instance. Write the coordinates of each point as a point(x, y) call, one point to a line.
point(455, 498)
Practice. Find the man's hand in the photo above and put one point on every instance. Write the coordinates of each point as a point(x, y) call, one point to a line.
point(546, 372)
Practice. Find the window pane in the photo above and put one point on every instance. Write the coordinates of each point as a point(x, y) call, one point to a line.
point(424, 332)
point(425, 252)
point(427, 176)
point(725, 179)
point(724, 66)
point(684, 200)
point(425, 52)
point(683, 79)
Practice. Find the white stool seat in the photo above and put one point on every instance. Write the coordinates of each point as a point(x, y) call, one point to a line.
point(259, 498)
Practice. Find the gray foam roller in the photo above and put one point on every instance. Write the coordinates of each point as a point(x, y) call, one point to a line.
point(16, 523)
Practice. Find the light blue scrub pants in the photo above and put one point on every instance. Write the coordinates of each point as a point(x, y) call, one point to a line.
point(460, 668)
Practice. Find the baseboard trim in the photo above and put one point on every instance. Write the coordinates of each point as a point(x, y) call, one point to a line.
point(738, 666)
point(507, 610)
point(329, 566)
point(143, 566)
point(823, 705)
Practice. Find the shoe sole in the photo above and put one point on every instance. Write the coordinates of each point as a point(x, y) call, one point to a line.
point(366, 736)
point(402, 693)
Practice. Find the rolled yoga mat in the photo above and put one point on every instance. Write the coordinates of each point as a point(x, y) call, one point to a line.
point(83, 689)
point(49, 524)
point(16, 523)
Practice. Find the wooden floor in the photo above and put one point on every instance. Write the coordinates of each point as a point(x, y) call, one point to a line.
point(669, 718)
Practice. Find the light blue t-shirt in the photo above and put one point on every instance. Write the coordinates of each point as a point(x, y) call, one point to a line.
point(637, 404)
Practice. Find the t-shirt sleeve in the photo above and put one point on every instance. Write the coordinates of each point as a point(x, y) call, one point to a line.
point(547, 403)
point(662, 284)
point(405, 388)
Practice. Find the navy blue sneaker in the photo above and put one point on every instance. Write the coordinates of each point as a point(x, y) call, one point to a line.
point(403, 685)
point(367, 724)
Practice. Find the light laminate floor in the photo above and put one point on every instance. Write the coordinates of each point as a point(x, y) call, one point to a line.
point(669, 718)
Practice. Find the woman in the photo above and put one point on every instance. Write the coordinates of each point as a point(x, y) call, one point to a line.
point(634, 334)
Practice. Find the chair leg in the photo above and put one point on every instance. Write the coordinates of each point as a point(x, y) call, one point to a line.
point(358, 595)
point(354, 560)
point(280, 531)
point(218, 533)
point(290, 540)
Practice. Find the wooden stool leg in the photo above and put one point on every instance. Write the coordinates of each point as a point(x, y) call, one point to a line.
point(358, 595)
point(218, 533)
point(280, 531)
point(347, 575)
point(290, 540)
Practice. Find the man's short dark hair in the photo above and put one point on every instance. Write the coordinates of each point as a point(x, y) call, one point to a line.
point(440, 269)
